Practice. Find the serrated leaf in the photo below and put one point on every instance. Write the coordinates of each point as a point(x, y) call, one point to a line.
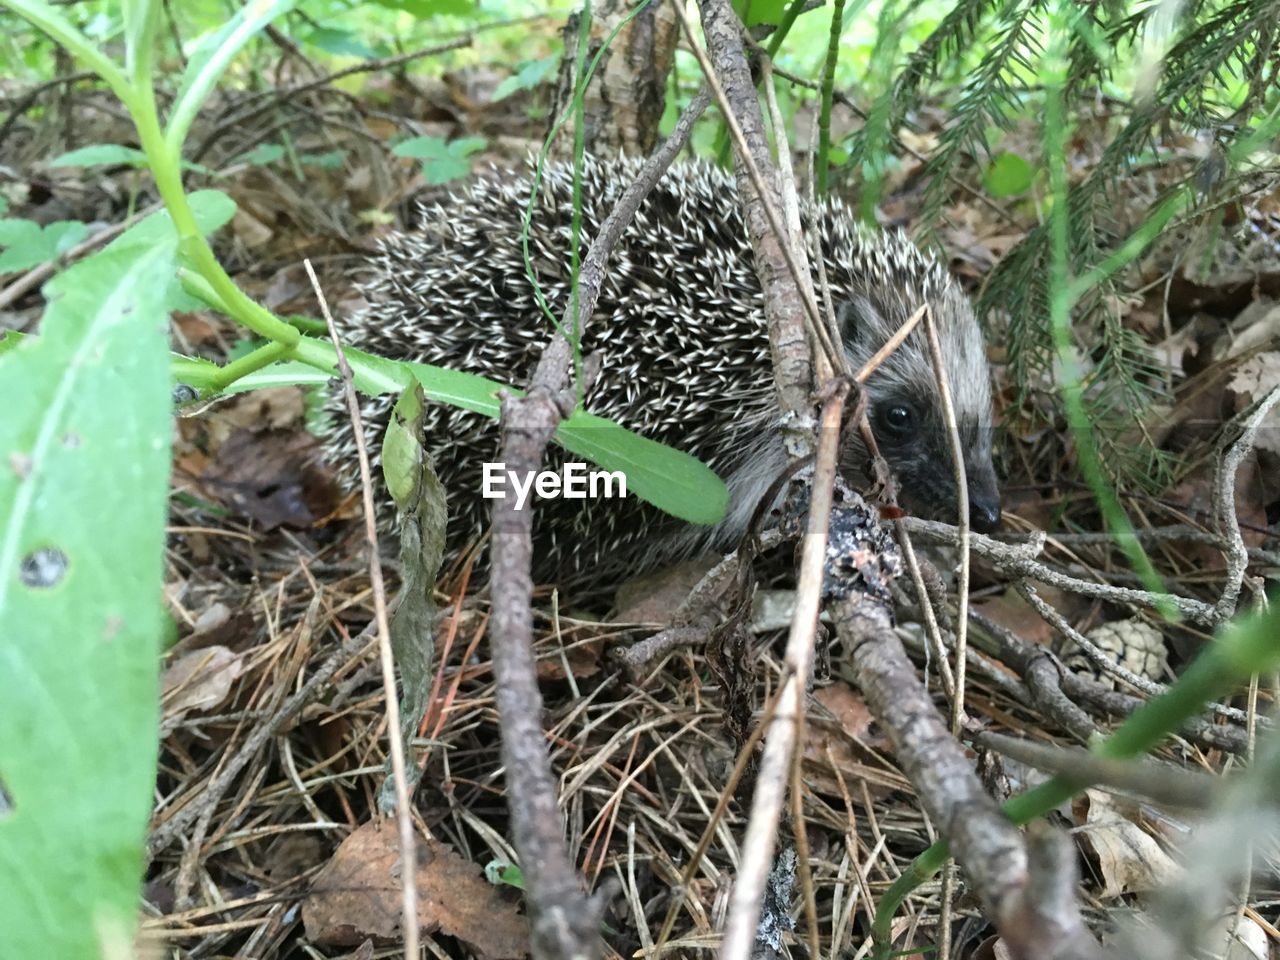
point(101, 155)
point(84, 445)
point(1007, 175)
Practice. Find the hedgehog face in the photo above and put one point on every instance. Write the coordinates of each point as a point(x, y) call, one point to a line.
point(911, 434)
point(904, 404)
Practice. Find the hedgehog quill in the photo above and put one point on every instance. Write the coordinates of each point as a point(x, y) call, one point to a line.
point(680, 332)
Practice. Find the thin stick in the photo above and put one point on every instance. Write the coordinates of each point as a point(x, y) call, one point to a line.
point(408, 855)
point(788, 723)
point(962, 506)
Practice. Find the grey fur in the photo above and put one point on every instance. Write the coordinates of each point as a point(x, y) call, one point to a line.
point(685, 351)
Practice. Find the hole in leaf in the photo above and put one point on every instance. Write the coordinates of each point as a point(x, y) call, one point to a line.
point(6, 802)
point(43, 568)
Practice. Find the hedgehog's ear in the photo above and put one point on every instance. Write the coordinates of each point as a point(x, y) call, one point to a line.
point(860, 324)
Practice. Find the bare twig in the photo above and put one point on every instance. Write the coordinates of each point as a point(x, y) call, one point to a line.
point(962, 508)
point(1020, 560)
point(788, 722)
point(986, 844)
point(408, 848)
point(563, 924)
point(1164, 784)
point(1011, 649)
point(785, 307)
point(1225, 506)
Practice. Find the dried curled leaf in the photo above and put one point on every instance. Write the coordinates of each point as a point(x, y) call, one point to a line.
point(357, 896)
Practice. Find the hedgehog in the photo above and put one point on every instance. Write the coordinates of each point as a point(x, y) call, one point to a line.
point(680, 334)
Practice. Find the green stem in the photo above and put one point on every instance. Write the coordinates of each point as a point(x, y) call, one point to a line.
point(821, 163)
point(78, 45)
point(166, 167)
point(251, 362)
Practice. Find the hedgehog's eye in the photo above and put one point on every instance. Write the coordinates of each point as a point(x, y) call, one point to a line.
point(896, 421)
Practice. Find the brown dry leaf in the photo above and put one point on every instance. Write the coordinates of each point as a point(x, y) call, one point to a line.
point(271, 409)
point(266, 476)
point(357, 895)
point(583, 659)
point(1013, 613)
point(1128, 858)
point(201, 679)
point(842, 744)
point(654, 597)
point(1253, 379)
point(249, 230)
point(848, 707)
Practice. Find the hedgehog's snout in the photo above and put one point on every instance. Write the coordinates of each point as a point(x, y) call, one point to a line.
point(984, 498)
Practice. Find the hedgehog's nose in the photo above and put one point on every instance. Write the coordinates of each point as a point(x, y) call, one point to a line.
point(984, 511)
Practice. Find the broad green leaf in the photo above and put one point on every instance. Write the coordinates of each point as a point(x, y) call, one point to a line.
point(671, 480)
point(211, 208)
point(85, 438)
point(101, 155)
point(15, 232)
point(1007, 175)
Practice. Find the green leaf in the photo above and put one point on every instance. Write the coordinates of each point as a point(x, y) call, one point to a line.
point(342, 43)
point(28, 244)
point(85, 440)
point(1007, 175)
point(441, 162)
point(421, 503)
point(499, 871)
point(529, 74)
point(430, 8)
point(261, 155)
point(101, 155)
point(761, 11)
point(670, 479)
point(10, 339)
point(211, 208)
point(212, 56)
